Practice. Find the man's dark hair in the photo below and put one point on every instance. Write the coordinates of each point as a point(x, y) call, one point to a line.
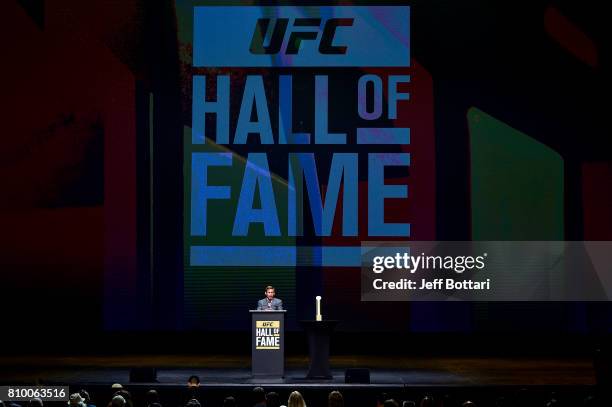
point(193, 403)
point(229, 402)
point(335, 399)
point(193, 378)
point(36, 402)
point(118, 401)
point(272, 399)
point(259, 395)
point(269, 287)
point(126, 396)
point(123, 393)
point(152, 397)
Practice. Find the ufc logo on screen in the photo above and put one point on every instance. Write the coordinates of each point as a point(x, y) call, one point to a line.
point(279, 32)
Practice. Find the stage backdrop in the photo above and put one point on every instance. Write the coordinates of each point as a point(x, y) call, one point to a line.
point(490, 123)
point(311, 130)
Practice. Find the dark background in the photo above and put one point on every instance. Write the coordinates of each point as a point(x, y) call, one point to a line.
point(94, 105)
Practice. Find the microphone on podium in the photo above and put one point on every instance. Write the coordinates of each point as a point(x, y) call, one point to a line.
point(319, 317)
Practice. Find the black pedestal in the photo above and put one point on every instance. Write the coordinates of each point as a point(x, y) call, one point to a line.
point(319, 334)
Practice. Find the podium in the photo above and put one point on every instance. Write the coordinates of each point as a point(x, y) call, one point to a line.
point(268, 343)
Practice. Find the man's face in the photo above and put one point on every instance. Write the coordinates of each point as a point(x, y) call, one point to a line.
point(270, 293)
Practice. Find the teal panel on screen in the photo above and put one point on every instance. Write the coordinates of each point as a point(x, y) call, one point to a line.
point(516, 194)
point(516, 183)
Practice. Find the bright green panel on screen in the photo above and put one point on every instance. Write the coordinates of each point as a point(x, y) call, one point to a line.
point(516, 183)
point(218, 298)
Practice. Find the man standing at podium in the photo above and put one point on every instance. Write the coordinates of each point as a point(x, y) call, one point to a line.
point(270, 303)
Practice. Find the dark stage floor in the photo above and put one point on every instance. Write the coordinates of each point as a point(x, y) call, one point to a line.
point(232, 371)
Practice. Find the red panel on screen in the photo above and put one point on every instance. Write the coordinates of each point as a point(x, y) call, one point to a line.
point(597, 200)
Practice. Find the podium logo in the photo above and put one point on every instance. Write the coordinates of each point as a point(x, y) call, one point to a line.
point(267, 334)
point(267, 324)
